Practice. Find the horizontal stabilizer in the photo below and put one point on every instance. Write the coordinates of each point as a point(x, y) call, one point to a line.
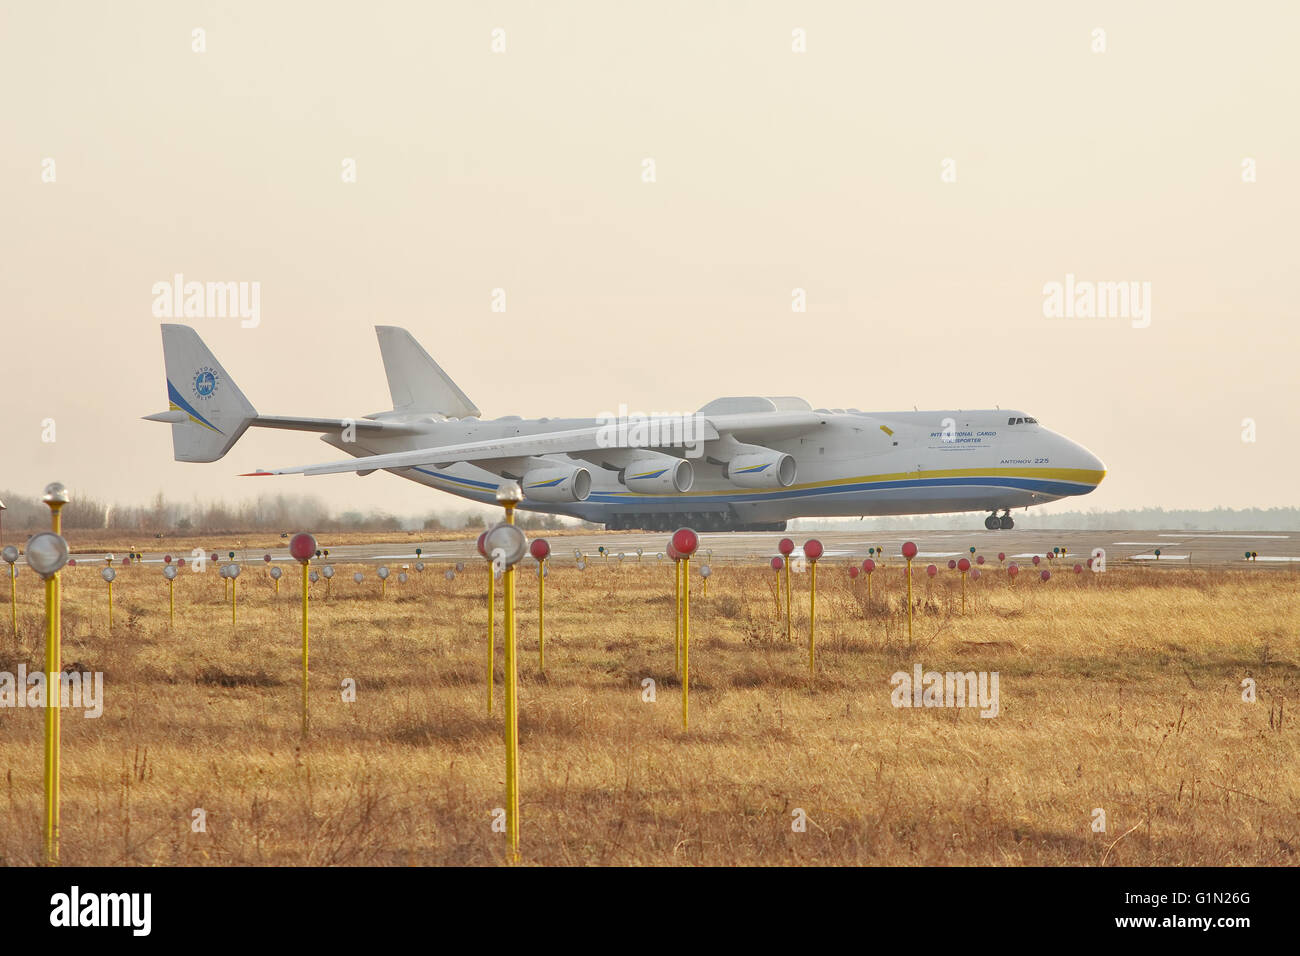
point(363, 426)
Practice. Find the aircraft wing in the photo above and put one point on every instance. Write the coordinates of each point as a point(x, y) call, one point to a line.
point(758, 427)
point(752, 427)
point(516, 446)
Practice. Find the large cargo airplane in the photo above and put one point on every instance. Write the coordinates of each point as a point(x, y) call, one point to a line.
point(747, 463)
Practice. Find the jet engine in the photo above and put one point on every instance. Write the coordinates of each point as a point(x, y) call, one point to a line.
point(557, 483)
point(763, 468)
point(658, 475)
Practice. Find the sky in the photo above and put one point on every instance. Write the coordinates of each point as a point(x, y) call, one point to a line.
point(921, 171)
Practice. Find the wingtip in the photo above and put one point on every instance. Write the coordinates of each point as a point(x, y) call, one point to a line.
point(256, 474)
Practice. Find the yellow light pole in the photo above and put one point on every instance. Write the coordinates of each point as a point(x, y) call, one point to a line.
point(305, 680)
point(909, 552)
point(47, 552)
point(963, 566)
point(676, 592)
point(53, 727)
point(10, 555)
point(108, 574)
point(512, 719)
point(301, 548)
point(812, 620)
point(505, 545)
point(777, 563)
point(788, 635)
point(540, 549)
point(169, 572)
point(812, 550)
point(491, 622)
point(786, 547)
point(686, 640)
point(684, 542)
point(234, 589)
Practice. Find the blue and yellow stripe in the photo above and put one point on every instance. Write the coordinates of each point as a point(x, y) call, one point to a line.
point(177, 403)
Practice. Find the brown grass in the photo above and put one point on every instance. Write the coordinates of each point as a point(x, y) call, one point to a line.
point(1119, 691)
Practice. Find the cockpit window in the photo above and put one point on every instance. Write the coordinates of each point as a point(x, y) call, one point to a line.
point(1022, 421)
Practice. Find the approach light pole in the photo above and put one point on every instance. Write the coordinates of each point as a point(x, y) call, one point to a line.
point(491, 621)
point(909, 552)
point(786, 547)
point(685, 542)
point(301, 548)
point(540, 549)
point(47, 552)
point(812, 550)
point(505, 545)
point(10, 555)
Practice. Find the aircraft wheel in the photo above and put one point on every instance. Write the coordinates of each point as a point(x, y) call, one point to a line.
point(992, 522)
point(1006, 523)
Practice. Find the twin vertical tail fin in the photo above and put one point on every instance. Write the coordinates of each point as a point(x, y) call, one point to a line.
point(208, 413)
point(205, 407)
point(416, 382)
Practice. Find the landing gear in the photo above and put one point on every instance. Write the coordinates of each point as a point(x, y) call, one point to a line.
point(994, 523)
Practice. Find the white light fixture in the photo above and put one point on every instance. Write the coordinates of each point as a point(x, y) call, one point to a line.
point(46, 553)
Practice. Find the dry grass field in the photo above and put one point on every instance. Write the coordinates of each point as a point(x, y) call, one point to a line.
point(97, 540)
point(1119, 691)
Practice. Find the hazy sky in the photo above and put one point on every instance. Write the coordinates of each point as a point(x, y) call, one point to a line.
point(775, 170)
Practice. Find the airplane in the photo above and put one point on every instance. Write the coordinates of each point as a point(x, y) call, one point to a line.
point(746, 463)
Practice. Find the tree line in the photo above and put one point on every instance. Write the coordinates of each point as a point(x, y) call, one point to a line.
point(163, 516)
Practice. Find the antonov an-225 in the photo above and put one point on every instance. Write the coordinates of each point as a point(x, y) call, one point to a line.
point(746, 463)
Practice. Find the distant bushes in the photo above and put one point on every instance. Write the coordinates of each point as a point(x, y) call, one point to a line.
point(162, 516)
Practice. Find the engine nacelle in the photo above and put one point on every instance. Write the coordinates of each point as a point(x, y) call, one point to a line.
point(661, 475)
point(557, 483)
point(765, 469)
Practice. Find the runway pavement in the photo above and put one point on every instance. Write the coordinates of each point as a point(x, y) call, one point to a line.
point(1177, 548)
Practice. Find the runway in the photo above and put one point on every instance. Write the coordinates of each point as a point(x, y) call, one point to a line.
point(1176, 549)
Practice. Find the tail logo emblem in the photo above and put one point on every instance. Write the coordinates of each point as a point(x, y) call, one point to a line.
point(205, 383)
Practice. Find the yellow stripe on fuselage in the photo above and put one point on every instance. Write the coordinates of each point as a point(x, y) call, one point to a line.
point(1083, 476)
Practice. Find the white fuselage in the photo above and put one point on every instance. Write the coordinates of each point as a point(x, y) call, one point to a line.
point(854, 463)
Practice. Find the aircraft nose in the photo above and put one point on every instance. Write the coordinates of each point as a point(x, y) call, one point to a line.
point(1090, 462)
